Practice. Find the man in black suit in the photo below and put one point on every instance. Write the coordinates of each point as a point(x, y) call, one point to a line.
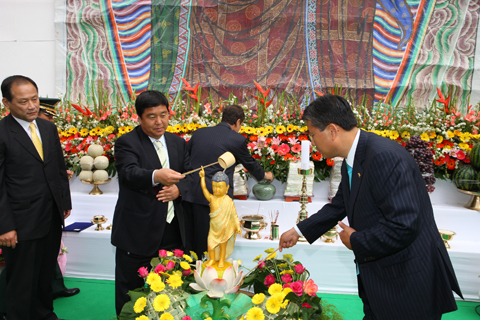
point(47, 111)
point(35, 199)
point(204, 147)
point(403, 268)
point(148, 215)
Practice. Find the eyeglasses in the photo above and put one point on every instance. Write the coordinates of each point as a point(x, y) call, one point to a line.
point(310, 135)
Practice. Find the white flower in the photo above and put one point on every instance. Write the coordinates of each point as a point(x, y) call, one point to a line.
point(210, 281)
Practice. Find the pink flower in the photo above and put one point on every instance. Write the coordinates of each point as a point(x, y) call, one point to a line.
point(178, 253)
point(261, 265)
point(297, 287)
point(170, 265)
point(299, 269)
point(283, 149)
point(287, 278)
point(162, 253)
point(269, 280)
point(186, 318)
point(460, 154)
point(297, 148)
point(186, 272)
point(276, 141)
point(310, 288)
point(0, 250)
point(306, 305)
point(286, 285)
point(143, 272)
point(159, 268)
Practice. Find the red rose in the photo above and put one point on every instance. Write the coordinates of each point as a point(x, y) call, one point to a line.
point(269, 280)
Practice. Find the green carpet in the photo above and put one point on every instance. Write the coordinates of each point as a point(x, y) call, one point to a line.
point(96, 301)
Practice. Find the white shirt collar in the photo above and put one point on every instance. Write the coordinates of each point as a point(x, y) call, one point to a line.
point(351, 154)
point(25, 124)
point(162, 140)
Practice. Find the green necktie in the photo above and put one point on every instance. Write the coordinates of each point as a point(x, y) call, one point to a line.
point(163, 160)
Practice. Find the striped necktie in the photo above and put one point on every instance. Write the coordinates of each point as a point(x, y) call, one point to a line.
point(163, 160)
point(36, 140)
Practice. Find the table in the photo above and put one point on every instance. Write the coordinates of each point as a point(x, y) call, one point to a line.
point(91, 254)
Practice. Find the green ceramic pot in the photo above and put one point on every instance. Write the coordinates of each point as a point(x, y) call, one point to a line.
point(264, 190)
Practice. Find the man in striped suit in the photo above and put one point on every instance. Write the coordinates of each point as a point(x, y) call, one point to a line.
point(403, 268)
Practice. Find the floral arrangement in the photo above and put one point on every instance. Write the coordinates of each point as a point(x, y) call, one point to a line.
point(165, 291)
point(273, 126)
point(283, 290)
point(170, 292)
point(2, 260)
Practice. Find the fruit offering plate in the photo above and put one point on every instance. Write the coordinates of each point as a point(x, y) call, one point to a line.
point(474, 202)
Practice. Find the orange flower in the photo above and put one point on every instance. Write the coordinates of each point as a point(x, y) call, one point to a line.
point(316, 156)
point(253, 138)
point(330, 162)
point(310, 288)
point(451, 164)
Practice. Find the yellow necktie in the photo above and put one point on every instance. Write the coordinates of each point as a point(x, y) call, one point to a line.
point(163, 160)
point(36, 140)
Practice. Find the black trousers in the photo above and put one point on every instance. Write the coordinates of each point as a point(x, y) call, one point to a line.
point(197, 226)
point(29, 272)
point(128, 263)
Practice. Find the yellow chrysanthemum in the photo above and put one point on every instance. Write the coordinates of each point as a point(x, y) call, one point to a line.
point(287, 271)
point(287, 290)
point(394, 135)
point(184, 265)
point(166, 316)
point(258, 298)
point(83, 132)
point(271, 255)
point(296, 128)
point(270, 250)
point(432, 134)
point(249, 130)
point(121, 130)
point(152, 276)
point(188, 258)
point(304, 129)
point(275, 288)
point(65, 134)
point(174, 281)
point(191, 126)
point(273, 305)
point(73, 130)
point(450, 134)
point(242, 130)
point(439, 139)
point(282, 265)
point(288, 257)
point(405, 134)
point(257, 257)
point(269, 129)
point(142, 317)
point(290, 128)
point(170, 129)
point(194, 255)
point(425, 137)
point(464, 146)
point(140, 304)
point(92, 132)
point(255, 313)
point(157, 285)
point(109, 129)
point(161, 302)
point(129, 128)
point(262, 131)
point(177, 273)
point(280, 129)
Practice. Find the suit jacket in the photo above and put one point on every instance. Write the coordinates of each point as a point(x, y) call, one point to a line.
point(28, 184)
point(404, 267)
point(205, 146)
point(139, 218)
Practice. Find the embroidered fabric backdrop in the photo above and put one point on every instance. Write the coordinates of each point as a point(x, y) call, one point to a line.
point(374, 49)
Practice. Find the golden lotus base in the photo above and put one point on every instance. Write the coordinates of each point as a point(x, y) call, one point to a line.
point(474, 202)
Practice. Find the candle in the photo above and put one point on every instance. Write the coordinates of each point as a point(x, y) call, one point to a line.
point(305, 155)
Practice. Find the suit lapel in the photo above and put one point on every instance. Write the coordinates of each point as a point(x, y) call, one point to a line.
point(357, 172)
point(172, 152)
point(149, 148)
point(22, 137)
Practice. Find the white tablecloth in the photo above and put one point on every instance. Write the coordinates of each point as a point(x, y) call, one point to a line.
point(331, 265)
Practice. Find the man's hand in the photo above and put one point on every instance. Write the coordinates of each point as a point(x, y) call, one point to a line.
point(345, 234)
point(167, 177)
point(9, 239)
point(66, 213)
point(288, 239)
point(268, 176)
point(169, 193)
point(69, 174)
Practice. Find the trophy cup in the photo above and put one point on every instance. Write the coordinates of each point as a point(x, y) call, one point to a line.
point(99, 220)
point(330, 235)
point(252, 224)
point(446, 235)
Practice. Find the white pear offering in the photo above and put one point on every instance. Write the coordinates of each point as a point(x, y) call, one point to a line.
point(86, 163)
point(101, 162)
point(100, 175)
point(95, 150)
point(86, 175)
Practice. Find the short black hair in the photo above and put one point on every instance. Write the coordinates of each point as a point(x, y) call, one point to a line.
point(329, 109)
point(16, 79)
point(150, 99)
point(232, 113)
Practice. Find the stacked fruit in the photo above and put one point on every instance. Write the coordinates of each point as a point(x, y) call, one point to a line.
point(424, 157)
point(467, 177)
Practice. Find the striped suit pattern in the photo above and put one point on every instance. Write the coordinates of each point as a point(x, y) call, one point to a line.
point(404, 269)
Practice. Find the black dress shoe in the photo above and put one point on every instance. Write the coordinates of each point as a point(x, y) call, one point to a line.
point(66, 293)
